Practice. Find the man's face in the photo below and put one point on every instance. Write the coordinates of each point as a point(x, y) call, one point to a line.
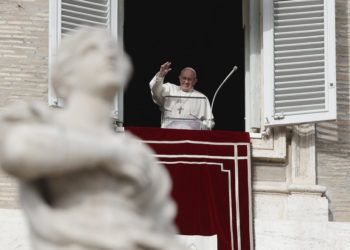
point(187, 80)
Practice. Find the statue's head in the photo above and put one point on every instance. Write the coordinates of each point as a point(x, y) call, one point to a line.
point(90, 61)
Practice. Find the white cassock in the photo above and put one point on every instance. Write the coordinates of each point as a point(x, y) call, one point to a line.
point(180, 109)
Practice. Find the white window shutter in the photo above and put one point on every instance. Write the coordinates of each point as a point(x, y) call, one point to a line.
point(83, 14)
point(69, 15)
point(299, 61)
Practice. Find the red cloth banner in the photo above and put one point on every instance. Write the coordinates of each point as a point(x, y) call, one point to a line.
point(211, 178)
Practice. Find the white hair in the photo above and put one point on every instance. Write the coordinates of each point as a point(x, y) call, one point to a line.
point(190, 69)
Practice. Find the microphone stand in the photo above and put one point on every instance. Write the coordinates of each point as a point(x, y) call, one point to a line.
point(217, 90)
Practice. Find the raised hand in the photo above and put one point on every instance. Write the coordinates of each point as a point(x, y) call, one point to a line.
point(164, 69)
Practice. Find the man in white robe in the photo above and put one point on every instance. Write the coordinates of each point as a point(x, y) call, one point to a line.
point(182, 106)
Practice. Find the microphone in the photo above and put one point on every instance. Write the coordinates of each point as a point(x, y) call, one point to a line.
point(217, 90)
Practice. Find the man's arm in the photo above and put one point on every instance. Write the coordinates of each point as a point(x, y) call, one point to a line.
point(158, 90)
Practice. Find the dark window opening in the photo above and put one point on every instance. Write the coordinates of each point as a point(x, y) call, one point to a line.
point(207, 36)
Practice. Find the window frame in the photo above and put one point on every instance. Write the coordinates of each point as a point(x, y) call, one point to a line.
point(253, 62)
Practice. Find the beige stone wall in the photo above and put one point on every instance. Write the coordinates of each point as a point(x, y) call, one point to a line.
point(23, 63)
point(333, 139)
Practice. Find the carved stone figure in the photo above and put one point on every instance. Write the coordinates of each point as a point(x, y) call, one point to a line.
point(83, 186)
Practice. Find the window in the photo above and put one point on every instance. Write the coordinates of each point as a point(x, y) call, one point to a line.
point(203, 41)
point(289, 59)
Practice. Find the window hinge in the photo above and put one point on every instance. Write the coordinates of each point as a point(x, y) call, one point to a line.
point(279, 116)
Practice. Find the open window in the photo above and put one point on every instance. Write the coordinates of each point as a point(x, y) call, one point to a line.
point(207, 36)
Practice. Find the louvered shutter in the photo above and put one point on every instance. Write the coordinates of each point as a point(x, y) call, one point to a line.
point(299, 61)
point(75, 14)
point(84, 13)
point(69, 15)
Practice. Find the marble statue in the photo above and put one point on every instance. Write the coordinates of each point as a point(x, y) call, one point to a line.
point(83, 186)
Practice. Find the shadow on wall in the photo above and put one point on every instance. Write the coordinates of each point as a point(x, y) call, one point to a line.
point(335, 136)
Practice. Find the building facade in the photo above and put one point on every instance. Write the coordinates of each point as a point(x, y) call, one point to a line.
point(301, 172)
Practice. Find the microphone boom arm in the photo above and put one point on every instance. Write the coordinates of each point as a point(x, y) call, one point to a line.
point(217, 90)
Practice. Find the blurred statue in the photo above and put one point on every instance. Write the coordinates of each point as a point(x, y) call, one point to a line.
point(82, 185)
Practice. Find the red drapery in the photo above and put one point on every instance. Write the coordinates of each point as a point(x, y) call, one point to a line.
point(211, 178)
